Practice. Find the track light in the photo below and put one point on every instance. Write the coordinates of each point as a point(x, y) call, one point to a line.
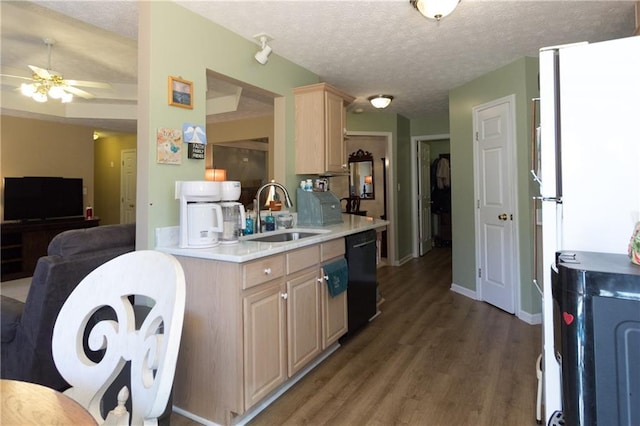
point(263, 55)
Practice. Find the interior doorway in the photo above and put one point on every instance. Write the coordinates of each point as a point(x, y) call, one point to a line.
point(439, 147)
point(381, 205)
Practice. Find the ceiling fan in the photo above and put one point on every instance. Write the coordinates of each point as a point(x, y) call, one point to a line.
point(46, 83)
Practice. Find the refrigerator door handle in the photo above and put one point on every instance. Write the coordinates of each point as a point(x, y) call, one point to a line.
point(557, 200)
point(535, 141)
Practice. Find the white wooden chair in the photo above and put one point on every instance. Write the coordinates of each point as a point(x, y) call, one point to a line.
point(152, 349)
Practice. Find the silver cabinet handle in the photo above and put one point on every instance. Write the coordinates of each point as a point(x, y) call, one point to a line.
point(267, 271)
point(284, 296)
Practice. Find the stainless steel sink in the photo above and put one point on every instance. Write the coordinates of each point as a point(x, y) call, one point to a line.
point(280, 237)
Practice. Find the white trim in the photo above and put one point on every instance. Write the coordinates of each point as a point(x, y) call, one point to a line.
point(123, 152)
point(404, 260)
point(533, 319)
point(513, 171)
point(390, 199)
point(464, 291)
point(415, 236)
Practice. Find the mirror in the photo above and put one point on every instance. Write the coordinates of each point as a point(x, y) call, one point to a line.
point(361, 175)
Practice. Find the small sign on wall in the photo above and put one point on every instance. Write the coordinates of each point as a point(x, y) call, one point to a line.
point(196, 151)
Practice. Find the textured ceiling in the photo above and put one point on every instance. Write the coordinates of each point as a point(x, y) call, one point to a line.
point(362, 47)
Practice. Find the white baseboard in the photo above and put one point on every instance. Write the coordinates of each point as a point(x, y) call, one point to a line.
point(464, 291)
point(404, 260)
point(533, 319)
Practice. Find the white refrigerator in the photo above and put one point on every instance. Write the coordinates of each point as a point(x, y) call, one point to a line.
point(589, 164)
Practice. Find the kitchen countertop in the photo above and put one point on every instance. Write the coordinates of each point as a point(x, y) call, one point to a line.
point(246, 250)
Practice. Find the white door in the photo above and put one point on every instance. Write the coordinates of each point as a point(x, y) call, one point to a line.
point(424, 196)
point(493, 128)
point(128, 186)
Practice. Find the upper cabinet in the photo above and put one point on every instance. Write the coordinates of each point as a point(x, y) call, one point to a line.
point(320, 127)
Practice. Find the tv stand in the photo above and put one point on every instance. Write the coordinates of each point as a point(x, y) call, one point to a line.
point(23, 243)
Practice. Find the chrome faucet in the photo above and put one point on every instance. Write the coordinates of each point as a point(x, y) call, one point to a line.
point(256, 201)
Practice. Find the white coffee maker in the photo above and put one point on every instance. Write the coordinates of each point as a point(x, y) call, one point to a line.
point(233, 214)
point(200, 214)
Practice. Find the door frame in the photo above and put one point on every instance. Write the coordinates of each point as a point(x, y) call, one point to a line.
point(121, 197)
point(390, 199)
point(414, 186)
point(513, 171)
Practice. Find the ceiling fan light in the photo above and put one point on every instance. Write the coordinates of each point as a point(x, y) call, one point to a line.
point(380, 101)
point(27, 89)
point(435, 9)
point(39, 97)
point(56, 92)
point(66, 97)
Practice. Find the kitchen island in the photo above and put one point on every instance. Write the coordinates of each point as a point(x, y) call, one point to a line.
point(258, 317)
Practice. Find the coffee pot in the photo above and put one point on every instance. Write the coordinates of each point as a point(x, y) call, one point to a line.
point(234, 221)
point(233, 214)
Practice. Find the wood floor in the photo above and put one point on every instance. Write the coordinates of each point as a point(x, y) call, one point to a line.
point(433, 357)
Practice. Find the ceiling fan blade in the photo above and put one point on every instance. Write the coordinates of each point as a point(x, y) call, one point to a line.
point(16, 76)
point(79, 92)
point(83, 83)
point(41, 72)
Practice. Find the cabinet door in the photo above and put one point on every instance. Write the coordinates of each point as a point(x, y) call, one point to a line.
point(335, 156)
point(334, 316)
point(264, 342)
point(303, 319)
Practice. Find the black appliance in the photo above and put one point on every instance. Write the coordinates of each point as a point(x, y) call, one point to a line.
point(362, 288)
point(42, 197)
point(597, 310)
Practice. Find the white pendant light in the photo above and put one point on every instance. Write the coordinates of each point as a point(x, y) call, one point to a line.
point(380, 101)
point(435, 9)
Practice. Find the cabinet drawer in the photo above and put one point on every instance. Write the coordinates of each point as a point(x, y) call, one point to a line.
point(331, 249)
point(298, 260)
point(262, 270)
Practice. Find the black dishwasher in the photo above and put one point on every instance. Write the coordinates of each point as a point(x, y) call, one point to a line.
point(362, 288)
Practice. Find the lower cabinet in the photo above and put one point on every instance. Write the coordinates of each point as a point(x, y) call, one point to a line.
point(264, 342)
point(250, 327)
point(304, 310)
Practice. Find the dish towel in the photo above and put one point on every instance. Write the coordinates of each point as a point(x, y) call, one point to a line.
point(337, 274)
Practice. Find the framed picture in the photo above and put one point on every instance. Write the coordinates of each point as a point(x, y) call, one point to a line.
point(180, 93)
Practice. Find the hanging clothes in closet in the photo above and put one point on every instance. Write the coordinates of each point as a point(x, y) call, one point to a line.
point(441, 198)
point(441, 184)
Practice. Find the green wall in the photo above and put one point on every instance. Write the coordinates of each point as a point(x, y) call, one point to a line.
point(433, 124)
point(518, 78)
point(160, 55)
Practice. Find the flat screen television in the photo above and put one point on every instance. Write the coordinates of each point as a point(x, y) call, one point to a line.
point(42, 197)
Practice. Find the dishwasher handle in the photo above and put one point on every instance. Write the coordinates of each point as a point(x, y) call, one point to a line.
point(364, 243)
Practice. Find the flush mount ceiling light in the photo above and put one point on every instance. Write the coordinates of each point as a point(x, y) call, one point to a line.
point(435, 9)
point(263, 55)
point(380, 101)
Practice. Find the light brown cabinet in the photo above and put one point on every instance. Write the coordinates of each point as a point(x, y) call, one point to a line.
point(250, 327)
point(320, 123)
point(264, 342)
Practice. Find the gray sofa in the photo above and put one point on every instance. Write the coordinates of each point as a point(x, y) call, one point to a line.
point(27, 327)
